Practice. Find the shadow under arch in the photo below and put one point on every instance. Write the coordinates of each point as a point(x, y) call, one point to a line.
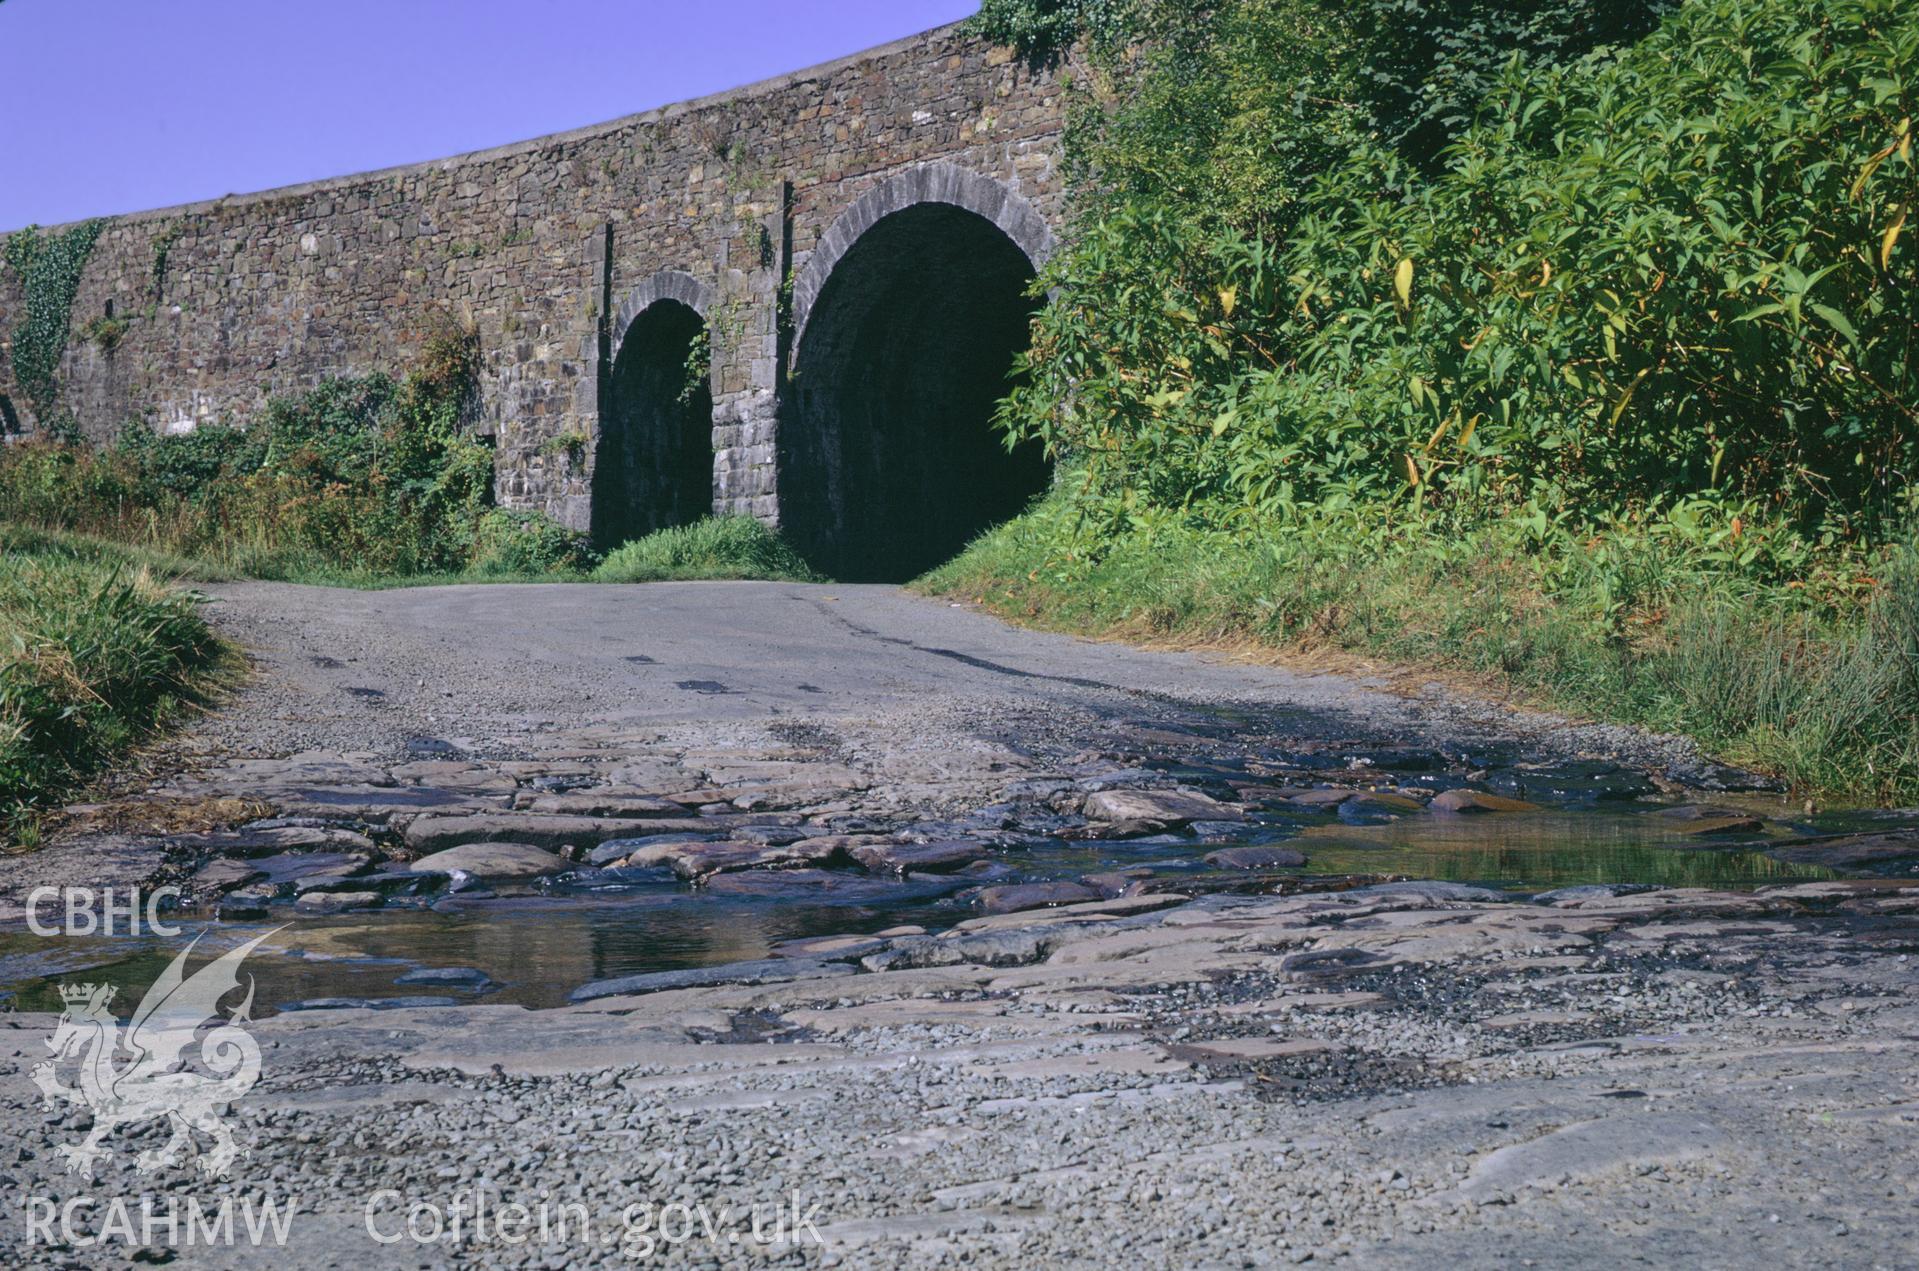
point(909, 320)
point(653, 459)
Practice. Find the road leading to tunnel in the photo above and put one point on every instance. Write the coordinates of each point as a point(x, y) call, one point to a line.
point(381, 727)
point(483, 668)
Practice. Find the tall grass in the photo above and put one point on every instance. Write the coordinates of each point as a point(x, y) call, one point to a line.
point(95, 654)
point(1825, 695)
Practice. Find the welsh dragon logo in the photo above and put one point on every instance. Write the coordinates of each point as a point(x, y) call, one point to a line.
point(132, 1074)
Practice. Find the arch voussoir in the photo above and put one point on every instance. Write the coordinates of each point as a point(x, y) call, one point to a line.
point(667, 284)
point(942, 182)
point(917, 309)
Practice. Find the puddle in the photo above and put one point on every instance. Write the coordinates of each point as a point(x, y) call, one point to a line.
point(1537, 851)
point(538, 947)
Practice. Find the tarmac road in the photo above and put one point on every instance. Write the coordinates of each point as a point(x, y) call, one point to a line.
point(364, 671)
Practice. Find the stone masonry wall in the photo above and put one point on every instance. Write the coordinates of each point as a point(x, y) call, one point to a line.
point(541, 246)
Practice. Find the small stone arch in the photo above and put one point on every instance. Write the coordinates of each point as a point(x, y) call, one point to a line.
point(653, 456)
point(668, 284)
point(928, 183)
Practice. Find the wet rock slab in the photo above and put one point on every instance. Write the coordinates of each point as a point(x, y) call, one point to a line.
point(581, 833)
point(1022, 896)
point(932, 858)
point(1892, 850)
point(466, 979)
point(493, 860)
point(615, 851)
point(276, 839)
point(1165, 807)
point(1698, 820)
point(822, 884)
point(323, 903)
point(616, 804)
point(223, 874)
point(698, 860)
point(1468, 802)
point(407, 1003)
point(767, 971)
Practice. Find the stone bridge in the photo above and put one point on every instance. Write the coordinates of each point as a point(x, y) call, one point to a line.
point(853, 244)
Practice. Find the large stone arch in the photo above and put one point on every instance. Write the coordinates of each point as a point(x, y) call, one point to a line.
point(944, 183)
point(653, 457)
point(908, 321)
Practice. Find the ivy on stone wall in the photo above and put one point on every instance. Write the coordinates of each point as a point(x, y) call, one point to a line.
point(49, 268)
point(699, 366)
point(162, 247)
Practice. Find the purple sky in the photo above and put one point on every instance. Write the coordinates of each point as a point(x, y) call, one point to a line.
point(122, 105)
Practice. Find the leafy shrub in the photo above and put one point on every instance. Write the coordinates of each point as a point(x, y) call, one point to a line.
point(1047, 28)
point(190, 467)
point(718, 547)
point(510, 542)
point(368, 476)
point(1677, 272)
point(1228, 110)
point(1426, 65)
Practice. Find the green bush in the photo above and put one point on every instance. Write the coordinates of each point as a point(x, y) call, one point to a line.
point(1228, 110)
point(369, 477)
point(189, 467)
point(719, 547)
point(1047, 28)
point(526, 543)
point(1675, 274)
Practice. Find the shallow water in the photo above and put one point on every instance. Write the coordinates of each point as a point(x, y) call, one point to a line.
point(538, 947)
point(1541, 850)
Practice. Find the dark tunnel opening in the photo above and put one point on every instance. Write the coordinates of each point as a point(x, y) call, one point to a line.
point(654, 466)
point(889, 462)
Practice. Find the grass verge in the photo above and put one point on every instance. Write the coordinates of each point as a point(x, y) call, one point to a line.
point(96, 654)
point(721, 547)
point(1824, 696)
